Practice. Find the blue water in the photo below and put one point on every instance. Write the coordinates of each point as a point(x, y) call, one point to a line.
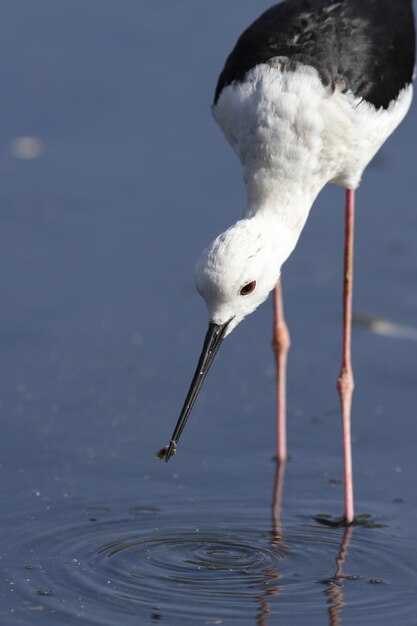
point(100, 330)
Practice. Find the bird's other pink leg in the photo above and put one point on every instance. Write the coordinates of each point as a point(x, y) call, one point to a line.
point(281, 343)
point(345, 383)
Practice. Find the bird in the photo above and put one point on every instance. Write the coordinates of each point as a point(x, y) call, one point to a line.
point(307, 97)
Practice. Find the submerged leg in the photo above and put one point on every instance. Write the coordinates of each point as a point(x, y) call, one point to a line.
point(281, 343)
point(345, 383)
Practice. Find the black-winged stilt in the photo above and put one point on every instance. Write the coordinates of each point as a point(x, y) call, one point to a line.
point(309, 94)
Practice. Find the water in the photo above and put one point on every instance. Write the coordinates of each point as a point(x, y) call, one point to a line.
point(100, 331)
point(193, 562)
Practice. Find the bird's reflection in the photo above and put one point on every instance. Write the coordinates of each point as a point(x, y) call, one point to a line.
point(271, 585)
point(334, 591)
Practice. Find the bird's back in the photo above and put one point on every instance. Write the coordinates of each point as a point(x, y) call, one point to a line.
point(368, 45)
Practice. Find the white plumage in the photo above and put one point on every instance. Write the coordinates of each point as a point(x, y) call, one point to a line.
point(292, 136)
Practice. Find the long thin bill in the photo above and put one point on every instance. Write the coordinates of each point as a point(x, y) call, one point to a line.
point(211, 345)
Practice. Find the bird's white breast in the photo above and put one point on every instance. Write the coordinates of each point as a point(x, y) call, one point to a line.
point(293, 135)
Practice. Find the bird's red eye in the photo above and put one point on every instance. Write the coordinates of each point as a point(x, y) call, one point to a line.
point(247, 289)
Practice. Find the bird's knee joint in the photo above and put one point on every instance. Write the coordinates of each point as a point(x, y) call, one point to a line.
point(345, 382)
point(281, 341)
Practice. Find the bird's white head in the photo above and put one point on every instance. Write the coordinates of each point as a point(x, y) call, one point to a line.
point(238, 270)
point(234, 275)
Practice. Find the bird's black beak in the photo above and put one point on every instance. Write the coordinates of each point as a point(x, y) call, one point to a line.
point(214, 337)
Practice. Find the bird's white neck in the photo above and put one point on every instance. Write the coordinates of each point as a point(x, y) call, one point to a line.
point(281, 203)
point(275, 123)
point(280, 224)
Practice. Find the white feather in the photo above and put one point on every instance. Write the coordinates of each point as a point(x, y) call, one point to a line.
point(292, 136)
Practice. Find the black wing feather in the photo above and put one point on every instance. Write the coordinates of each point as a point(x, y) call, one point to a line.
point(369, 45)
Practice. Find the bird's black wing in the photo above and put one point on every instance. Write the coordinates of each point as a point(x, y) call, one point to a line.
point(369, 45)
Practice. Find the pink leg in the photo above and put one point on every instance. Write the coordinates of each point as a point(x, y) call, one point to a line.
point(345, 383)
point(281, 343)
point(277, 502)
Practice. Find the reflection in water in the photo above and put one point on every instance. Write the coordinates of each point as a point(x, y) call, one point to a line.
point(334, 592)
point(277, 541)
point(192, 569)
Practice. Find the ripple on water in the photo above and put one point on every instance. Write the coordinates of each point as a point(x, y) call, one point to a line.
point(113, 569)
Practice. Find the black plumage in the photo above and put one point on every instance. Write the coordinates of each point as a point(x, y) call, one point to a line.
point(367, 46)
